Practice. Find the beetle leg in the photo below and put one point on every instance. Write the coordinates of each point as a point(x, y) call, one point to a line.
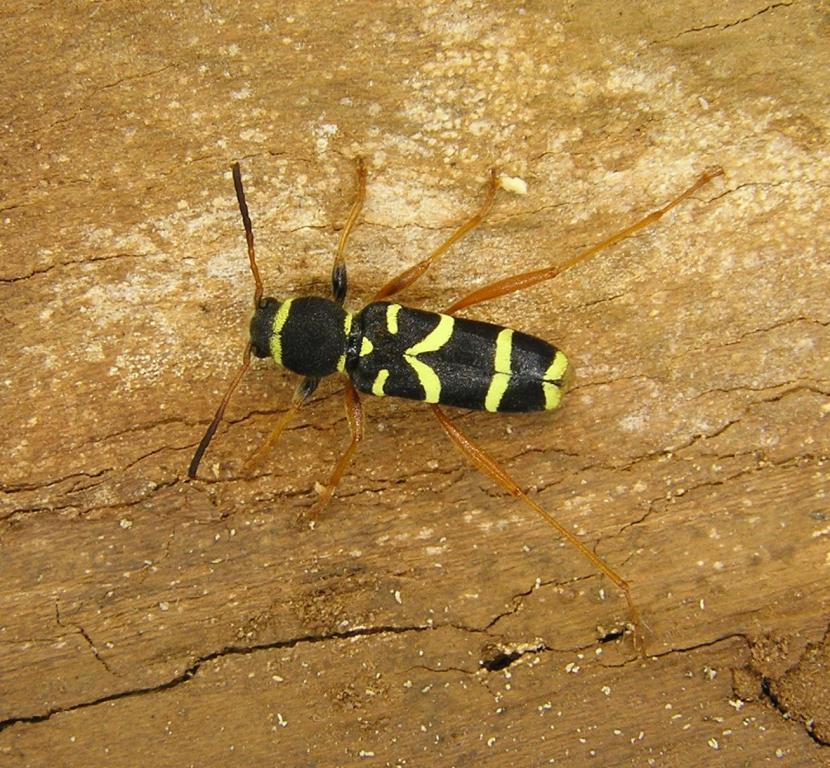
point(488, 466)
point(339, 280)
point(304, 390)
point(526, 279)
point(354, 413)
point(410, 275)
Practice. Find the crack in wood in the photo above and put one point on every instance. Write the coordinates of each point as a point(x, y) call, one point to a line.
point(192, 670)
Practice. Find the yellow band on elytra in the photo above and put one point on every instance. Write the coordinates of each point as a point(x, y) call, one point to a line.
point(432, 342)
point(380, 380)
point(392, 317)
point(501, 365)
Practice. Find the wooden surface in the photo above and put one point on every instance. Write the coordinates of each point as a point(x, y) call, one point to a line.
point(427, 619)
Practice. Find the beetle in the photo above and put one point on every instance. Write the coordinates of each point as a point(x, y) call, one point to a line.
point(388, 349)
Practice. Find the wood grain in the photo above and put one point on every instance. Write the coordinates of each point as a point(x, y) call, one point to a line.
point(426, 619)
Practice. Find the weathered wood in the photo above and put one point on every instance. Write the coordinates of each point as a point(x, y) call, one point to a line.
point(426, 619)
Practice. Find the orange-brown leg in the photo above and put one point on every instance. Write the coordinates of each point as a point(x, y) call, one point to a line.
point(304, 390)
point(488, 466)
point(526, 279)
point(354, 413)
point(410, 275)
point(339, 281)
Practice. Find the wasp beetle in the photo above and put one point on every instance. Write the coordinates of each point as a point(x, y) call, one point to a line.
point(388, 349)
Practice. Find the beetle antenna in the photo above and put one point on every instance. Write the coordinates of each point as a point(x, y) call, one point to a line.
point(246, 356)
point(249, 231)
point(220, 412)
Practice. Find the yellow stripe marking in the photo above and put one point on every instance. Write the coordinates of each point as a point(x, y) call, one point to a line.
point(276, 336)
point(557, 372)
point(432, 342)
point(552, 395)
point(504, 348)
point(366, 347)
point(496, 390)
point(501, 376)
point(380, 380)
point(392, 317)
point(347, 328)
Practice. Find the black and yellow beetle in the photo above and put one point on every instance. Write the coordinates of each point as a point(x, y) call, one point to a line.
point(390, 349)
